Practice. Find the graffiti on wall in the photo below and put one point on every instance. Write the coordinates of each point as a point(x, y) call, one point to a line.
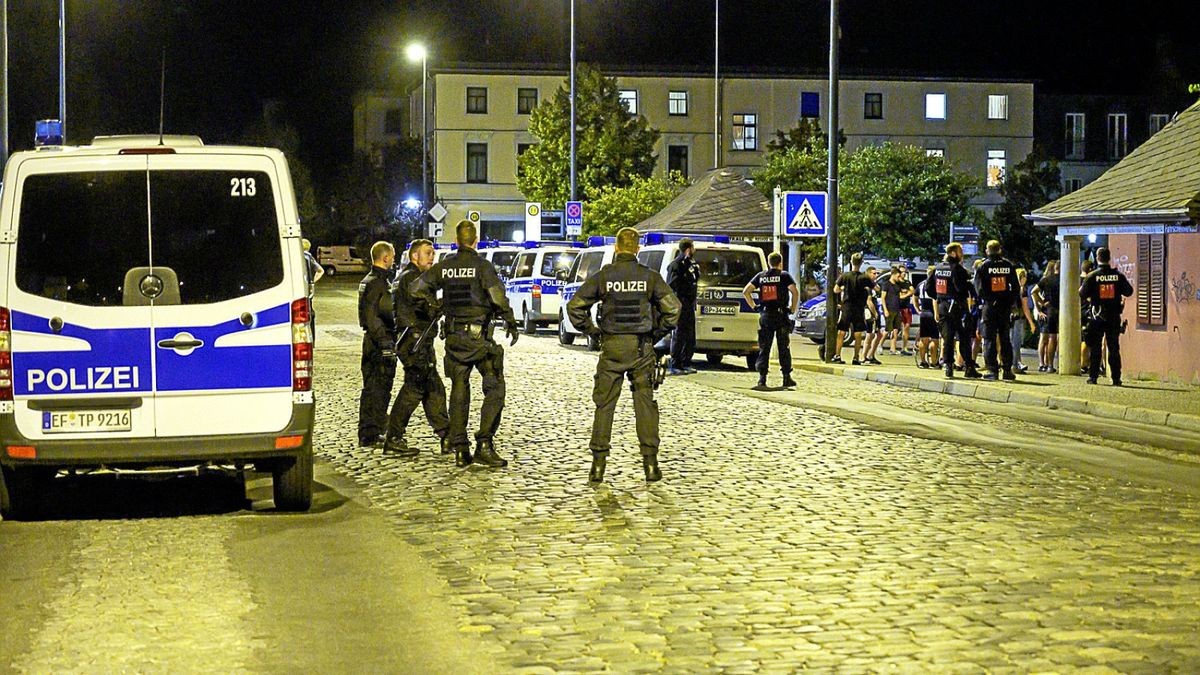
point(1124, 264)
point(1184, 288)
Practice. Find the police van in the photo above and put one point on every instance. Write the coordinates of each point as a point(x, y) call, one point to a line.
point(725, 324)
point(599, 252)
point(153, 316)
point(501, 254)
point(534, 285)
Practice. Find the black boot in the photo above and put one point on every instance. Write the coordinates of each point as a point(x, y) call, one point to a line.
point(396, 445)
point(1009, 374)
point(788, 381)
point(762, 383)
point(462, 455)
point(650, 464)
point(485, 454)
point(446, 447)
point(973, 372)
point(599, 461)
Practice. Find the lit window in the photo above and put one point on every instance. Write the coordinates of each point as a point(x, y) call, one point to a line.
point(873, 106)
point(1118, 135)
point(935, 152)
point(677, 103)
point(1157, 122)
point(997, 164)
point(998, 107)
point(677, 159)
point(810, 104)
point(745, 131)
point(935, 106)
point(1074, 143)
point(629, 97)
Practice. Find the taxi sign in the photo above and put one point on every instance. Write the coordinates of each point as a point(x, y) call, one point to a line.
point(574, 216)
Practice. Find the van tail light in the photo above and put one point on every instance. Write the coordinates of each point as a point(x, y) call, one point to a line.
point(536, 290)
point(6, 369)
point(302, 346)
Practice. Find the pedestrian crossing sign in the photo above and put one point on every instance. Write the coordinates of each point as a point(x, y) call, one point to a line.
point(804, 214)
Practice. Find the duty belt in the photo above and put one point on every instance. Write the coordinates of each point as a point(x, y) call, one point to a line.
point(474, 329)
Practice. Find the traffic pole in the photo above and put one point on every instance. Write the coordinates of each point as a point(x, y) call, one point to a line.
point(832, 268)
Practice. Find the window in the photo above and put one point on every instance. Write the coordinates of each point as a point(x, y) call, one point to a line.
point(873, 106)
point(526, 100)
point(935, 152)
point(652, 259)
point(629, 99)
point(1073, 146)
point(1157, 122)
point(477, 162)
point(810, 104)
point(553, 262)
point(1072, 184)
point(997, 165)
point(997, 106)
point(677, 103)
point(1151, 290)
point(935, 106)
point(745, 131)
point(523, 267)
point(1118, 135)
point(723, 267)
point(521, 148)
point(677, 159)
point(393, 121)
point(477, 100)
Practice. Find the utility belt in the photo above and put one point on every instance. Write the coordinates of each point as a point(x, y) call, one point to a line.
point(474, 328)
point(780, 309)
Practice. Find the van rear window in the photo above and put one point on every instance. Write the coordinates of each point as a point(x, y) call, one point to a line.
point(80, 232)
point(724, 267)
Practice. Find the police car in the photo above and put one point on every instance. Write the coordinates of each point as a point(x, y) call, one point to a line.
point(599, 252)
point(501, 254)
point(534, 285)
point(153, 314)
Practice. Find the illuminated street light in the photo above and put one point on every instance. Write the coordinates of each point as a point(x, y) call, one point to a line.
point(416, 52)
point(412, 203)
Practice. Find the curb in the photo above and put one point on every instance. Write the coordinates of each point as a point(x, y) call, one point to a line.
point(980, 390)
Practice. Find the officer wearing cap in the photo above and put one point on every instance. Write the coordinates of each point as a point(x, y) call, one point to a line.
point(778, 297)
point(952, 285)
point(1105, 288)
point(378, 348)
point(998, 288)
point(472, 296)
point(637, 308)
point(416, 321)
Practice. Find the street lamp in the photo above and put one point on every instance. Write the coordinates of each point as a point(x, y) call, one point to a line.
point(416, 52)
point(572, 100)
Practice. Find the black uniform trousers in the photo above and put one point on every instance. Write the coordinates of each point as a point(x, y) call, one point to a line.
point(997, 323)
point(683, 342)
point(953, 328)
point(470, 347)
point(625, 356)
point(422, 385)
point(774, 326)
point(1095, 333)
point(378, 375)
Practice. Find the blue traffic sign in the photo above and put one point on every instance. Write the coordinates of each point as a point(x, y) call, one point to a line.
point(804, 214)
point(574, 216)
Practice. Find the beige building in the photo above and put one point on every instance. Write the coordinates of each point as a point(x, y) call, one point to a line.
point(479, 117)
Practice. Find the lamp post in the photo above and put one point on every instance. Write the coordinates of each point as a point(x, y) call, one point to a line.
point(417, 52)
point(62, 66)
point(572, 100)
point(717, 84)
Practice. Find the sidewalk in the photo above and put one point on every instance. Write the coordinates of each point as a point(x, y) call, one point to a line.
point(1162, 403)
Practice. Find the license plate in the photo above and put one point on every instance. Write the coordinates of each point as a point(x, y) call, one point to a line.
point(720, 310)
point(76, 421)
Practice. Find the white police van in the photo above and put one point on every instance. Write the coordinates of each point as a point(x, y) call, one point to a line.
point(502, 254)
point(725, 324)
point(533, 287)
point(153, 315)
point(599, 252)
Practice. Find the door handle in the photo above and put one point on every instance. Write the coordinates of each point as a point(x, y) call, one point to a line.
point(179, 344)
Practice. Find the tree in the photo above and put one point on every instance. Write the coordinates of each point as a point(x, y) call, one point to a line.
point(613, 147)
point(367, 201)
point(1031, 184)
point(806, 134)
point(617, 207)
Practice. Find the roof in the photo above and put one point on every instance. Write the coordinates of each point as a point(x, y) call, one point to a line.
point(1159, 182)
point(722, 201)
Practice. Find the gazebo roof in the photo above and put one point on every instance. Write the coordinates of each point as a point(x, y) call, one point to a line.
point(722, 201)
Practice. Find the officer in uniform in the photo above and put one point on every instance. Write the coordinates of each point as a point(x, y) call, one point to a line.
point(378, 348)
point(472, 296)
point(998, 288)
point(683, 275)
point(415, 320)
point(953, 287)
point(1105, 290)
point(778, 297)
point(636, 309)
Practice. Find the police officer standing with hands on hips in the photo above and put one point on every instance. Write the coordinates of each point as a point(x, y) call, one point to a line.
point(1105, 289)
point(472, 295)
point(683, 276)
point(998, 287)
point(778, 297)
point(379, 343)
point(416, 321)
point(953, 287)
point(637, 308)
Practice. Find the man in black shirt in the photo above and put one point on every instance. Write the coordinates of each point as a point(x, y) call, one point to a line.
point(378, 347)
point(1105, 289)
point(778, 297)
point(683, 276)
point(853, 288)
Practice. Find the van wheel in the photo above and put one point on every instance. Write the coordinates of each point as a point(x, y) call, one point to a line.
point(530, 326)
point(751, 361)
point(565, 337)
point(330, 270)
point(593, 343)
point(292, 482)
point(19, 490)
point(714, 359)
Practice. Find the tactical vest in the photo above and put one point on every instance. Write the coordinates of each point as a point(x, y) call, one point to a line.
point(625, 297)
point(463, 294)
point(773, 290)
point(383, 305)
point(943, 282)
point(995, 280)
point(1106, 293)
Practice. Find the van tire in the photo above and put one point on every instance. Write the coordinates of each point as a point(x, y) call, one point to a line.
point(19, 489)
point(713, 358)
point(330, 270)
point(565, 337)
point(530, 326)
point(291, 484)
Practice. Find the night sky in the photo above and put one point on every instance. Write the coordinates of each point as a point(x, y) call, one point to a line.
point(224, 57)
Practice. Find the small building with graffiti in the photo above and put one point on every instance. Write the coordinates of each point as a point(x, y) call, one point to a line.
point(1149, 206)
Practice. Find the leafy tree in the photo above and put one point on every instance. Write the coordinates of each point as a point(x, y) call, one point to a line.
point(366, 203)
point(613, 147)
point(617, 207)
point(806, 134)
point(799, 165)
point(1031, 184)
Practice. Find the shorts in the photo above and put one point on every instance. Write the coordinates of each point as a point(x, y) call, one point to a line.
point(891, 322)
point(852, 319)
point(906, 316)
point(929, 327)
point(1048, 324)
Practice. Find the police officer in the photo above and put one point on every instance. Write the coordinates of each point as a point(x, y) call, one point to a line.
point(416, 321)
point(378, 348)
point(778, 297)
point(637, 308)
point(999, 289)
point(472, 296)
point(1105, 289)
point(683, 275)
point(953, 287)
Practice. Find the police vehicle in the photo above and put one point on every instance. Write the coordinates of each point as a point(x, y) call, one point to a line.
point(599, 252)
point(534, 285)
point(501, 254)
point(725, 324)
point(153, 316)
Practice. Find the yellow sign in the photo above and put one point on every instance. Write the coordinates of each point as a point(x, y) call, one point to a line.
point(473, 216)
point(534, 209)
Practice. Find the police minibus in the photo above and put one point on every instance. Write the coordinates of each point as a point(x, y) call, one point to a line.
point(153, 316)
point(533, 287)
point(501, 254)
point(599, 252)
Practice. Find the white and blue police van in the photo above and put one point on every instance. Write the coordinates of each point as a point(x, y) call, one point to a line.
point(599, 252)
point(153, 316)
point(534, 284)
point(502, 255)
point(725, 324)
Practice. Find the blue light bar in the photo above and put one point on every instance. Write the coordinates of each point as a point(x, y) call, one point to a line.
point(48, 132)
point(651, 238)
point(600, 240)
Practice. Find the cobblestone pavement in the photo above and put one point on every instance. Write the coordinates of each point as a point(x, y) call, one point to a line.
point(781, 539)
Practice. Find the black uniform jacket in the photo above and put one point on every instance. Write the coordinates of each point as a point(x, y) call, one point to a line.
point(471, 290)
point(634, 300)
point(375, 309)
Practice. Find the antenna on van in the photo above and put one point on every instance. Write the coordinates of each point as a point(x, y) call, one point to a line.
point(162, 94)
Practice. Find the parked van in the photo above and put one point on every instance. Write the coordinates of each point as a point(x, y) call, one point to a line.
point(533, 288)
point(153, 314)
point(600, 252)
point(342, 260)
point(502, 254)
